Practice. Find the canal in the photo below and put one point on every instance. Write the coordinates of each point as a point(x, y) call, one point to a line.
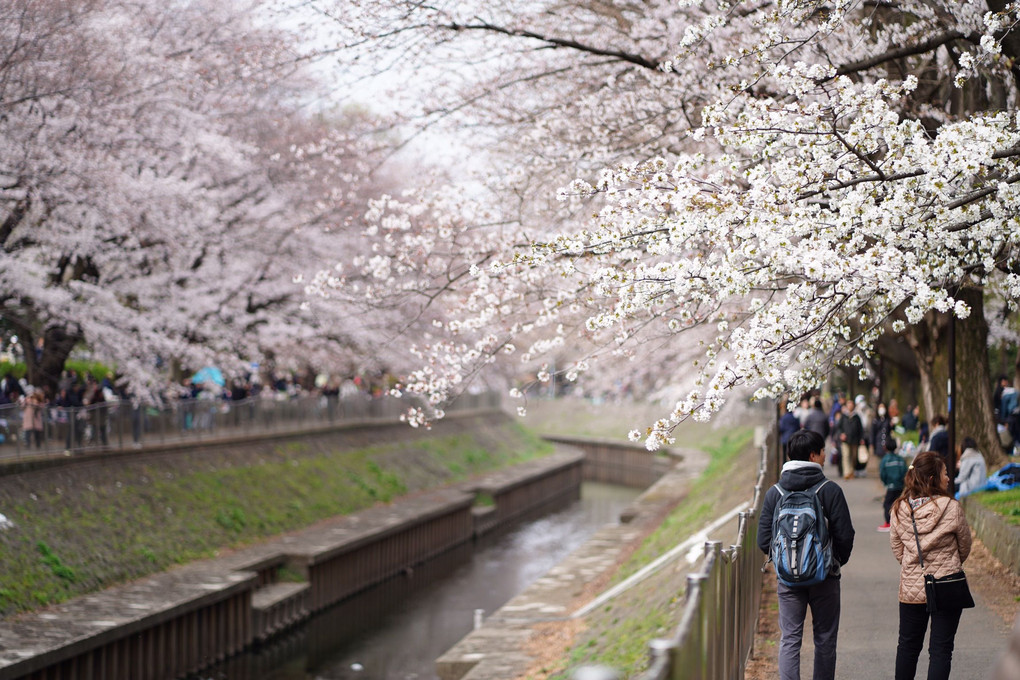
point(396, 630)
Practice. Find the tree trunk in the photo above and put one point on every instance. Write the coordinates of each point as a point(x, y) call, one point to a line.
point(44, 371)
point(975, 415)
point(973, 390)
point(925, 340)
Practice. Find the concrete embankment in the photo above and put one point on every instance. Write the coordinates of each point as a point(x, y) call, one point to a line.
point(95, 521)
point(177, 622)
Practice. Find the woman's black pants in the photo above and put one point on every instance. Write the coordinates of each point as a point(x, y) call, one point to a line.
point(913, 625)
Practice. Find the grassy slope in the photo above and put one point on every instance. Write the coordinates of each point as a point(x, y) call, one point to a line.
point(81, 531)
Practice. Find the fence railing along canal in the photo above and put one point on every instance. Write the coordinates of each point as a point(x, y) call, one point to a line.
point(124, 425)
point(715, 633)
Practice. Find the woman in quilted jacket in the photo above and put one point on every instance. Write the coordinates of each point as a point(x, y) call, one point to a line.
point(945, 540)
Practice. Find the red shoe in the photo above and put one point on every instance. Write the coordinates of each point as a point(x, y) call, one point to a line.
point(884, 527)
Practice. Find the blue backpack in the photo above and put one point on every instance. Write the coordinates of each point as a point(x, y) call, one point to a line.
point(801, 550)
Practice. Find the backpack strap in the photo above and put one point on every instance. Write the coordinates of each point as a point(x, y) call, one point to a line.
point(814, 489)
point(768, 555)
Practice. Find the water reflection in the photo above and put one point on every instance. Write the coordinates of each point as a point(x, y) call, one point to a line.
point(396, 630)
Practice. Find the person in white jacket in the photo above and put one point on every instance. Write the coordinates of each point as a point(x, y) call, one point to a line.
point(973, 472)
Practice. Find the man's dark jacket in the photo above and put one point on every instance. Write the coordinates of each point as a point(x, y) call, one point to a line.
point(851, 426)
point(798, 478)
point(817, 421)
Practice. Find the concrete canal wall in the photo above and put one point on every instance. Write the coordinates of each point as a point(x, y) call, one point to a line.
point(620, 463)
point(177, 622)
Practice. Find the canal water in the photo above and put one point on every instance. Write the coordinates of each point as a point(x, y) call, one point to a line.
point(398, 629)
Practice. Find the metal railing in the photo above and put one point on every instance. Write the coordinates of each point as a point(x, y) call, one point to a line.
point(717, 625)
point(118, 425)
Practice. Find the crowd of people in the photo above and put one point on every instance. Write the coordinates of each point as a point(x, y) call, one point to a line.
point(78, 407)
point(856, 431)
point(928, 531)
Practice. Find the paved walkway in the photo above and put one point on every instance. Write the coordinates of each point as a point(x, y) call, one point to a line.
point(870, 614)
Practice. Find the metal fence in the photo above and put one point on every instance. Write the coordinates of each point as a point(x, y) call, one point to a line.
point(717, 625)
point(120, 425)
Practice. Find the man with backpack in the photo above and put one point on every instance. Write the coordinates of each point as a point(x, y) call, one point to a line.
point(806, 530)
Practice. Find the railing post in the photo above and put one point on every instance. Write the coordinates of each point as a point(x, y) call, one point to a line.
point(691, 662)
point(662, 659)
point(713, 602)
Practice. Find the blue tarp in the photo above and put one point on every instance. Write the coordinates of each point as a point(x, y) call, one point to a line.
point(1006, 478)
point(209, 374)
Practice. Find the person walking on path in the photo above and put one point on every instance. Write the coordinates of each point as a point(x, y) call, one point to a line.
point(892, 468)
point(850, 432)
point(881, 431)
point(788, 424)
point(944, 538)
point(816, 420)
point(806, 453)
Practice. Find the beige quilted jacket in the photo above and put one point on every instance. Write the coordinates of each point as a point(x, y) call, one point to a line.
point(945, 540)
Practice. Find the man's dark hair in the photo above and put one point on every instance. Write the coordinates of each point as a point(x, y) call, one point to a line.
point(803, 443)
point(891, 444)
point(818, 404)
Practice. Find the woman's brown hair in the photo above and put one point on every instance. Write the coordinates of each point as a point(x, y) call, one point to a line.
point(923, 479)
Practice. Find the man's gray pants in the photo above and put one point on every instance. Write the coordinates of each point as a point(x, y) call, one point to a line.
point(823, 599)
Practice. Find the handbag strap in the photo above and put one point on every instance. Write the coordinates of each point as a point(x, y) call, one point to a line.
point(920, 555)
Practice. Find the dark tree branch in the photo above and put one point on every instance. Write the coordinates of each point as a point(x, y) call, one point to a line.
point(558, 42)
point(929, 45)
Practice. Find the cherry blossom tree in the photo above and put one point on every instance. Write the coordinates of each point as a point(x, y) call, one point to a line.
point(798, 178)
point(161, 184)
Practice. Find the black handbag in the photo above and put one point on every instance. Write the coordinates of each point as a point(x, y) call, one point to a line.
point(946, 593)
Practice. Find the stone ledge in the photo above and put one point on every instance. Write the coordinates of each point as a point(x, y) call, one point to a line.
point(1001, 538)
point(39, 639)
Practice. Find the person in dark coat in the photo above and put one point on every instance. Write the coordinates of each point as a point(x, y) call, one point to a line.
point(68, 404)
point(881, 430)
point(939, 442)
point(850, 435)
point(817, 420)
point(806, 453)
point(912, 418)
point(10, 386)
point(788, 424)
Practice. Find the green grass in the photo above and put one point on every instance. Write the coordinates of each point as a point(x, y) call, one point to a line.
point(615, 646)
point(138, 518)
point(97, 369)
point(1005, 503)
